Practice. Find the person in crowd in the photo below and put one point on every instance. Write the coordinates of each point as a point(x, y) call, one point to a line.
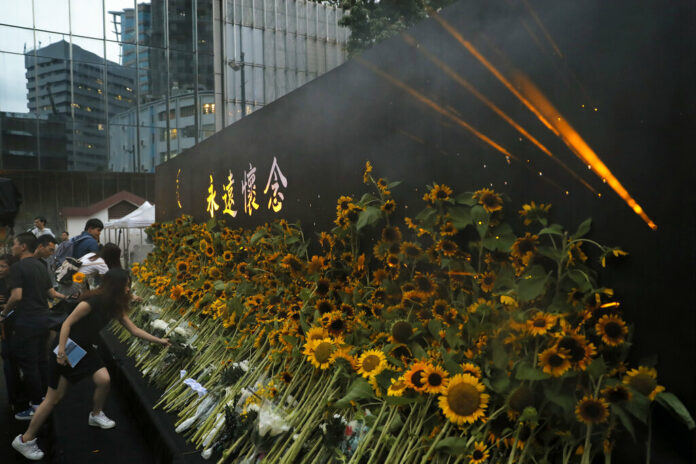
point(88, 240)
point(40, 228)
point(95, 265)
point(30, 287)
point(109, 301)
point(64, 236)
point(45, 248)
point(9, 365)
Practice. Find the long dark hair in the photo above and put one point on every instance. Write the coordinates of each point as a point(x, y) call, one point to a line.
point(111, 294)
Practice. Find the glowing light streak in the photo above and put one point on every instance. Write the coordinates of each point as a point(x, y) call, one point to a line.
point(428, 102)
point(483, 99)
point(576, 143)
point(613, 304)
point(471, 49)
point(543, 29)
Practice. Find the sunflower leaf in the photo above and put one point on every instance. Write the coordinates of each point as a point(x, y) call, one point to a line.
point(625, 420)
point(531, 287)
point(360, 389)
point(501, 238)
point(452, 445)
point(553, 229)
point(670, 402)
point(479, 217)
point(639, 407)
point(256, 237)
point(460, 217)
point(583, 228)
point(465, 198)
point(597, 368)
point(434, 327)
point(368, 216)
point(526, 372)
point(399, 400)
point(391, 185)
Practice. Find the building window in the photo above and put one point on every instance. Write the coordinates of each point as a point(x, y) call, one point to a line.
point(187, 111)
point(208, 108)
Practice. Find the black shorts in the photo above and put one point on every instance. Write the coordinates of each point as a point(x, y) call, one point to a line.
point(87, 366)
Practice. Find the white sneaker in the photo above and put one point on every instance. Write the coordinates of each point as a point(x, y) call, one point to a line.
point(101, 421)
point(29, 449)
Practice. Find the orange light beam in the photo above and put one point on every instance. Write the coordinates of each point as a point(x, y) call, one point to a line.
point(471, 49)
point(483, 99)
point(543, 29)
point(428, 102)
point(423, 99)
point(576, 143)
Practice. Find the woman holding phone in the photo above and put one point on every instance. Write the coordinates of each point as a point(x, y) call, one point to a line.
point(110, 301)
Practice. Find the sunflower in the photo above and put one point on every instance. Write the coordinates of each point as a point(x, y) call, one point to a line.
point(490, 200)
point(519, 399)
point(617, 394)
point(209, 251)
point(203, 245)
point(336, 323)
point(554, 361)
point(446, 247)
point(480, 304)
point(575, 253)
point(389, 206)
point(541, 323)
point(325, 306)
point(292, 263)
point(316, 264)
point(438, 193)
point(323, 287)
point(214, 273)
point(176, 292)
point(471, 369)
point(591, 410)
point(612, 329)
point(411, 250)
point(366, 174)
point(78, 277)
point(480, 453)
point(379, 275)
point(182, 267)
point(207, 286)
point(227, 256)
point(448, 228)
point(424, 283)
point(414, 376)
point(580, 351)
point(371, 363)
point(401, 331)
point(441, 307)
point(464, 400)
point(344, 353)
point(524, 247)
point(435, 379)
point(319, 352)
point(487, 281)
point(397, 387)
point(414, 296)
point(393, 260)
point(391, 234)
point(644, 380)
point(532, 212)
point(343, 204)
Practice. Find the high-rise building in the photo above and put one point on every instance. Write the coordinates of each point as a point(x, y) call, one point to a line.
point(82, 91)
point(30, 141)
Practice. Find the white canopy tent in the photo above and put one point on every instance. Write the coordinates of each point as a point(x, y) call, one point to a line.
point(129, 232)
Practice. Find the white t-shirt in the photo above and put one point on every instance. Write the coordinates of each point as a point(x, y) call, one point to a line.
point(89, 267)
point(38, 233)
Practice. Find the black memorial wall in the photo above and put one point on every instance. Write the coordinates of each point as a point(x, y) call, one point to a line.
point(621, 73)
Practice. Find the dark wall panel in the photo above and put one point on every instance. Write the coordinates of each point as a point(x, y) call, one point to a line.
point(632, 61)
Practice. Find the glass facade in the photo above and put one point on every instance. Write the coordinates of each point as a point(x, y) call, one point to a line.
point(123, 85)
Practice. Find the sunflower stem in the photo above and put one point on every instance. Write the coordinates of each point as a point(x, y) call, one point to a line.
point(586, 448)
point(648, 441)
point(511, 458)
point(435, 442)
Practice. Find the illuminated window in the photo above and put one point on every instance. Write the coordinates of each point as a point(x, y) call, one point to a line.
point(208, 108)
point(118, 97)
point(172, 134)
point(87, 108)
point(100, 127)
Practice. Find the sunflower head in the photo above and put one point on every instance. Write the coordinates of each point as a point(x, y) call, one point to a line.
point(434, 379)
point(371, 363)
point(490, 200)
point(479, 454)
point(323, 287)
point(401, 331)
point(532, 212)
point(391, 234)
point(612, 329)
point(591, 410)
point(319, 352)
point(397, 387)
point(414, 376)
point(464, 400)
point(617, 394)
point(644, 381)
point(554, 361)
point(520, 398)
point(541, 323)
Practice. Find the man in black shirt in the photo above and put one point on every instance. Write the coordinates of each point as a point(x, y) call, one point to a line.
point(30, 288)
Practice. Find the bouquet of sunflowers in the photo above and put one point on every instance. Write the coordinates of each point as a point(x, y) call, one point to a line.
point(447, 337)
